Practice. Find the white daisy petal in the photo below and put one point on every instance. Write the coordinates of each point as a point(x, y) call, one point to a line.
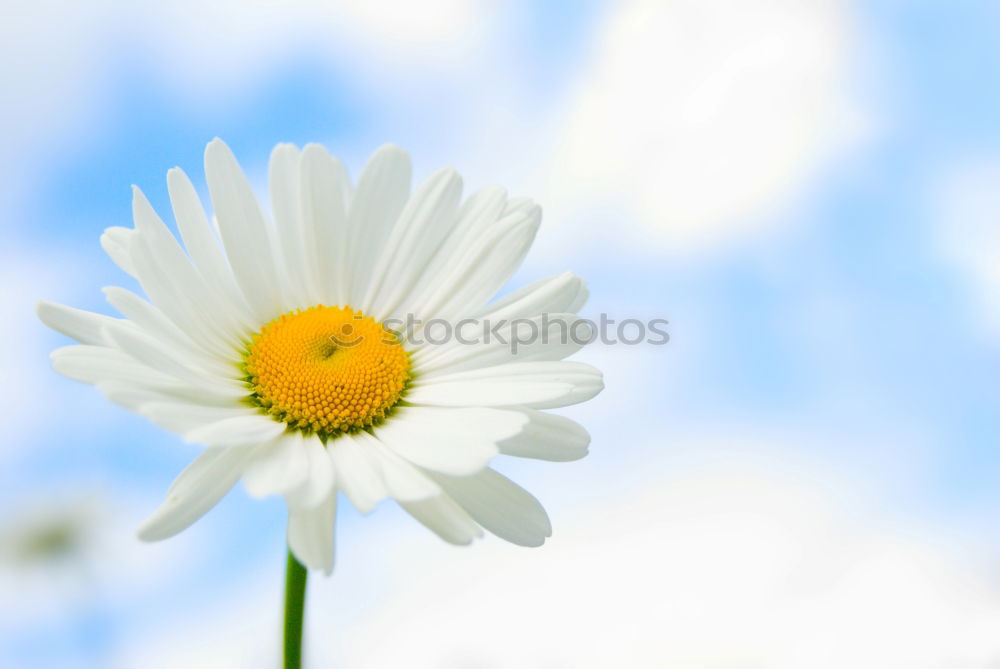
point(182, 417)
point(546, 337)
point(499, 505)
point(99, 364)
point(381, 192)
point(158, 356)
point(403, 481)
point(240, 430)
point(196, 490)
point(277, 467)
point(453, 441)
point(494, 393)
point(175, 301)
point(116, 242)
point(517, 205)
point(201, 242)
point(244, 232)
point(214, 308)
point(424, 448)
point(153, 322)
point(298, 262)
point(547, 437)
point(563, 293)
point(325, 186)
point(311, 534)
point(425, 222)
point(132, 396)
point(498, 424)
point(476, 214)
point(358, 472)
point(539, 385)
point(318, 484)
point(445, 518)
point(483, 269)
point(84, 326)
point(481, 210)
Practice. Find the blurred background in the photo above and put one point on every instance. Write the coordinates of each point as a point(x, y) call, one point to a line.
point(809, 190)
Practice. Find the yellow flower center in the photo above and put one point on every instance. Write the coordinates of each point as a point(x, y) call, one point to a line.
point(326, 369)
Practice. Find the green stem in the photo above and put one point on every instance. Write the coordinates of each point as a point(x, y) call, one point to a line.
point(295, 607)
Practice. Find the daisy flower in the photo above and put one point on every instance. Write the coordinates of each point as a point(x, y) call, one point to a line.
point(274, 342)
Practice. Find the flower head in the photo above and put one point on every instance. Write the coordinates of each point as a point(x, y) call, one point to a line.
point(277, 343)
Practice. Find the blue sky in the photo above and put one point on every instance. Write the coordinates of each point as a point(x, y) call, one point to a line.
point(822, 338)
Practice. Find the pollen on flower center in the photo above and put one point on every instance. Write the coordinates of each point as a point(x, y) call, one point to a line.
point(326, 369)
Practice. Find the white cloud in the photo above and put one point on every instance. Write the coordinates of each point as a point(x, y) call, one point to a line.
point(58, 59)
point(700, 118)
point(696, 118)
point(57, 51)
point(722, 567)
point(968, 235)
point(709, 565)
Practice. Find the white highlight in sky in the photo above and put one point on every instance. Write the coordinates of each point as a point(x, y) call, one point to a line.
point(968, 234)
point(701, 117)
